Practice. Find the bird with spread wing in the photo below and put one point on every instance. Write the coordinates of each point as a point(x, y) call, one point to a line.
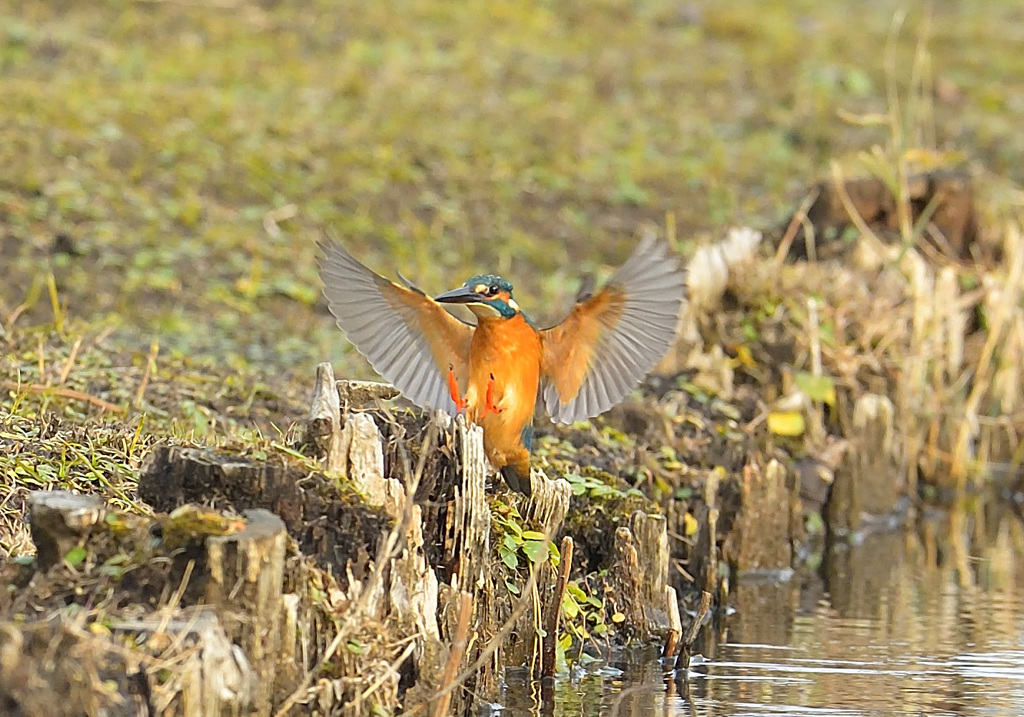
point(496, 369)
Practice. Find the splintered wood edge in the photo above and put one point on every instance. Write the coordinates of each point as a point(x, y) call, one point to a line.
point(472, 511)
point(326, 405)
point(549, 503)
point(360, 393)
point(361, 458)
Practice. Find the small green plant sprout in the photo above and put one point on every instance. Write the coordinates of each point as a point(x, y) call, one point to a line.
point(596, 488)
point(584, 613)
point(517, 546)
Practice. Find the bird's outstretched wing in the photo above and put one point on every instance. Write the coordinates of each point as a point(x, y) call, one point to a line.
point(612, 339)
point(407, 337)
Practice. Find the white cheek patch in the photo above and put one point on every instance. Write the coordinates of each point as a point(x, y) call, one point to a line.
point(513, 304)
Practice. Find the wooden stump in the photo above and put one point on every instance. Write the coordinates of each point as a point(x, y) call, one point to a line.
point(53, 668)
point(943, 197)
point(870, 484)
point(651, 533)
point(56, 667)
point(469, 528)
point(761, 537)
point(61, 521)
point(212, 677)
point(639, 573)
point(341, 533)
point(627, 579)
point(704, 557)
point(246, 577)
point(225, 654)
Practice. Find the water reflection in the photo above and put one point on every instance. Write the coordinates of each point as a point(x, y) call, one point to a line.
point(926, 622)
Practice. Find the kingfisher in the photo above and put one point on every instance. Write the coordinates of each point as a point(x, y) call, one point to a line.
point(495, 369)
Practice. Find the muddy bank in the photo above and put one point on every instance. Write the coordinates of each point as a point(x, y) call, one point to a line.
point(375, 563)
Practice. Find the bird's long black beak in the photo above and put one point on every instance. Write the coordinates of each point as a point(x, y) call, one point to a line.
point(462, 295)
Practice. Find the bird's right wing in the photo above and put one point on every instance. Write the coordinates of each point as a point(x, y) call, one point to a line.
point(407, 337)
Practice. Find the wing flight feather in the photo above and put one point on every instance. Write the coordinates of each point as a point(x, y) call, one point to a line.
point(612, 339)
point(407, 337)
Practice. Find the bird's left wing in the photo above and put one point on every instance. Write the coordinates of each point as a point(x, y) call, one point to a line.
point(407, 337)
point(612, 339)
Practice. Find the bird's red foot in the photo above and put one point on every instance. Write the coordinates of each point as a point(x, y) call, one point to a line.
point(453, 389)
point(489, 406)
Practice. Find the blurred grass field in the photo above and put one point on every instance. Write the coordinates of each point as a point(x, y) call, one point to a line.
point(172, 163)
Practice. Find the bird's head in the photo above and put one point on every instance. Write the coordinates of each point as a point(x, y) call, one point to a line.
point(486, 295)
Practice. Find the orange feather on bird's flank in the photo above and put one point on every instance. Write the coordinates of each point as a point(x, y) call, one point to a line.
point(580, 367)
point(505, 354)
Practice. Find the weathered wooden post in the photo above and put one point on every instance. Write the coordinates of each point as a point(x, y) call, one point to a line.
point(870, 482)
point(61, 521)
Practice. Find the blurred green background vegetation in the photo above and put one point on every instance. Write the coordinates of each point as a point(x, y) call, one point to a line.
point(172, 163)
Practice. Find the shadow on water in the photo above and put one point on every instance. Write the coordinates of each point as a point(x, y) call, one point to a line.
point(927, 621)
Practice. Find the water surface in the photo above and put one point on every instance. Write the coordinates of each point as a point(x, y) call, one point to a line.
point(928, 621)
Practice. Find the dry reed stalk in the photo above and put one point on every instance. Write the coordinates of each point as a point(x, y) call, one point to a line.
point(455, 655)
point(71, 361)
point(866, 232)
point(551, 629)
point(948, 294)
point(154, 349)
point(691, 637)
point(1001, 305)
point(915, 390)
point(63, 393)
point(675, 626)
point(798, 221)
point(698, 619)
